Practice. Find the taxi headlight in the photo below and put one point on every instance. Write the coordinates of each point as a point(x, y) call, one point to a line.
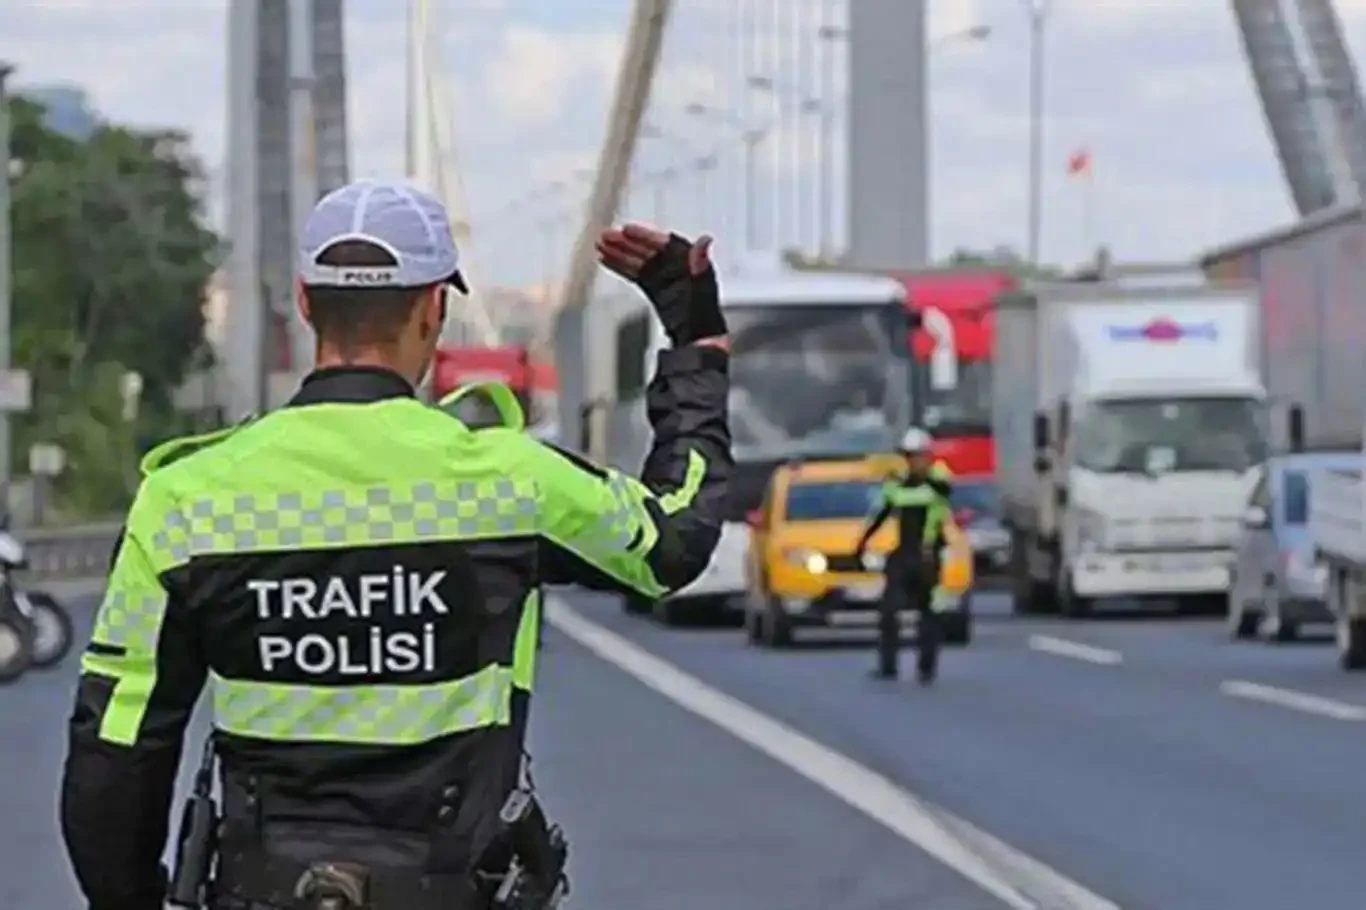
point(812, 561)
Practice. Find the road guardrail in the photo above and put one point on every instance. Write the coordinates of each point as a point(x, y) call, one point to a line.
point(78, 551)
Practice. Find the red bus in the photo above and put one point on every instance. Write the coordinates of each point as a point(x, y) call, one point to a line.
point(954, 340)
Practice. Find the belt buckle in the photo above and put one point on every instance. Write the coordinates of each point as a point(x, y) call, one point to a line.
point(333, 886)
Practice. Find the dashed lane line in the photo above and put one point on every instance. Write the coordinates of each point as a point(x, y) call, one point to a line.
point(1296, 701)
point(1062, 647)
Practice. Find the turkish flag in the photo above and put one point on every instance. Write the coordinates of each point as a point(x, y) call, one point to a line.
point(1079, 162)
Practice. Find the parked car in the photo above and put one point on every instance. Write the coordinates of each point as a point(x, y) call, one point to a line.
point(1277, 586)
point(976, 502)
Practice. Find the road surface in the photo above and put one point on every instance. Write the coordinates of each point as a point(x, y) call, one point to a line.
point(1142, 763)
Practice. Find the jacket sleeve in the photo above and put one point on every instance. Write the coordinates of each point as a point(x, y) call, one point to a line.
point(878, 515)
point(649, 536)
point(940, 479)
point(140, 678)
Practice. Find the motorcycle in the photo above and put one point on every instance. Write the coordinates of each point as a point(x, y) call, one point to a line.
point(42, 624)
point(16, 648)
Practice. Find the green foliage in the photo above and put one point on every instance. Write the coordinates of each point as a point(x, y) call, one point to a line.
point(111, 259)
point(1004, 258)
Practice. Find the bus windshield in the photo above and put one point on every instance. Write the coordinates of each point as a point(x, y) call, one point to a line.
point(815, 380)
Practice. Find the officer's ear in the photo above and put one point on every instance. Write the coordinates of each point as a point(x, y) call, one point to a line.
point(432, 311)
point(302, 297)
point(435, 309)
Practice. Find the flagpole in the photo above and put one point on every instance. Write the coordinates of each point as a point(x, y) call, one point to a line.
point(1088, 206)
point(1081, 169)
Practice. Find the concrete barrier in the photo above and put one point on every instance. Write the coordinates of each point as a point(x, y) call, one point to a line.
point(79, 551)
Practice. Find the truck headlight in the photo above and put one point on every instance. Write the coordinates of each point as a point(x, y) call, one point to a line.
point(812, 561)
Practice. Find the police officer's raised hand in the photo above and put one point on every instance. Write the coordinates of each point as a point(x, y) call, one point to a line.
point(675, 273)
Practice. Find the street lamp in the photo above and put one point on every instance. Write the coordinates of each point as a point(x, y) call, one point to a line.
point(824, 108)
point(699, 163)
point(958, 36)
point(1037, 11)
point(751, 136)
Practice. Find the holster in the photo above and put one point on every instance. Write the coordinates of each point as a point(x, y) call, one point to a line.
point(534, 878)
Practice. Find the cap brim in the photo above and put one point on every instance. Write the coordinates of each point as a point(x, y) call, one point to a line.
point(457, 281)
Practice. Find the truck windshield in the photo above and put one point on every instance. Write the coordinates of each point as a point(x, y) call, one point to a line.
point(814, 380)
point(1147, 436)
point(965, 409)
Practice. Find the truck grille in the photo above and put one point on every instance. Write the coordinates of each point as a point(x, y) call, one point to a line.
point(1181, 532)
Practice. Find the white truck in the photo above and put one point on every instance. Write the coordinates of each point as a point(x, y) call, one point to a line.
point(1130, 423)
point(1314, 286)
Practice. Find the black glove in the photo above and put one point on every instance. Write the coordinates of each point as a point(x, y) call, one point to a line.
point(688, 305)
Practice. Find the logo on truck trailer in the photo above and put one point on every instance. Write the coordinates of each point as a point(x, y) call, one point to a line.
point(1163, 331)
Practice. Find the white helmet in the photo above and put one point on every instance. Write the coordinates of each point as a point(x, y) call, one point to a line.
point(916, 441)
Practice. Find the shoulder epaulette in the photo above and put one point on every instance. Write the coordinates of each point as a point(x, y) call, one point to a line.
point(499, 395)
point(173, 450)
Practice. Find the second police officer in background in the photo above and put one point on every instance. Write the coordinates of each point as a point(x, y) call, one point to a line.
point(357, 577)
point(919, 499)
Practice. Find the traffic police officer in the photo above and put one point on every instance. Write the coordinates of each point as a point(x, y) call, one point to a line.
point(357, 577)
point(920, 499)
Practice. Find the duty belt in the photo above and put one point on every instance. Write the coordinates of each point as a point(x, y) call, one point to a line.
point(255, 877)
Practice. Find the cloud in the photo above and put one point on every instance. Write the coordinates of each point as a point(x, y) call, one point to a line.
point(1158, 89)
point(536, 74)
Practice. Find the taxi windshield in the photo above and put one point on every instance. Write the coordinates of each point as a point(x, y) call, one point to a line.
point(831, 500)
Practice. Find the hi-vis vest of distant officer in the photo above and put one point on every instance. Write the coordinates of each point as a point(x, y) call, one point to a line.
point(920, 508)
point(898, 495)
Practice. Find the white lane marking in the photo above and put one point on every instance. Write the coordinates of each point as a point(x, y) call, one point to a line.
point(1289, 698)
point(1074, 649)
point(1019, 881)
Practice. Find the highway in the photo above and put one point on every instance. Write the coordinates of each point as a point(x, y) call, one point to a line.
point(1137, 762)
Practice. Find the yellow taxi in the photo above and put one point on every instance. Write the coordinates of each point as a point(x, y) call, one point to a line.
point(802, 569)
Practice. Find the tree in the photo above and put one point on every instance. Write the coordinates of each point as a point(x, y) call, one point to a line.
point(111, 260)
point(1005, 258)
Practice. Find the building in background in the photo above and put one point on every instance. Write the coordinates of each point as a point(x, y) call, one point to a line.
point(263, 337)
point(68, 110)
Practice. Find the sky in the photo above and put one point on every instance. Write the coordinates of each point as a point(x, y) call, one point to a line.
point(1156, 90)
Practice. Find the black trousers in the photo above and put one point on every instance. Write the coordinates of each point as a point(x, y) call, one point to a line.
point(910, 580)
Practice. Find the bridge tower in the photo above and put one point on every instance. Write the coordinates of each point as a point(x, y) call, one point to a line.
point(286, 147)
point(1308, 88)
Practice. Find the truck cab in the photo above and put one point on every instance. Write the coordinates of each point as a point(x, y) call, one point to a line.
point(1156, 476)
point(1132, 424)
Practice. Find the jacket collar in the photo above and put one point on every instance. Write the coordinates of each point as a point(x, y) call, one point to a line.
point(351, 385)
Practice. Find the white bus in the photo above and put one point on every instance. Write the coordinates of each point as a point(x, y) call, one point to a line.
point(819, 368)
